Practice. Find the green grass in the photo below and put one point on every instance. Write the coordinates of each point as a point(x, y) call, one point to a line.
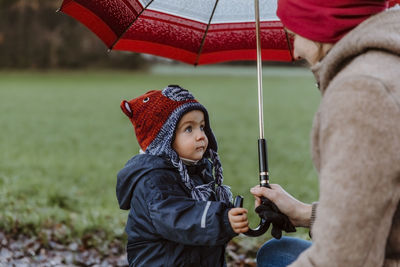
point(63, 138)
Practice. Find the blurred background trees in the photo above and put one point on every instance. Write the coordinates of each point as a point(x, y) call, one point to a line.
point(34, 36)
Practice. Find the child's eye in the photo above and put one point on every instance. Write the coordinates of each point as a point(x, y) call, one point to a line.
point(188, 129)
point(202, 127)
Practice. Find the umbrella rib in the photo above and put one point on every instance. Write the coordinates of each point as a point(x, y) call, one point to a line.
point(289, 45)
point(130, 25)
point(205, 34)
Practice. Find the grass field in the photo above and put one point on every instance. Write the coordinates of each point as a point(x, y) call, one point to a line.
point(63, 139)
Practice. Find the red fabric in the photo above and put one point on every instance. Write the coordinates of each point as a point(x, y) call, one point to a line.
point(326, 21)
point(148, 113)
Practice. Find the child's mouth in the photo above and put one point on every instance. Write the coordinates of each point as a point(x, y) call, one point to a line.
point(200, 148)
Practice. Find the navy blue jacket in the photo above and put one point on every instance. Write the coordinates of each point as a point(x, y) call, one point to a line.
point(165, 226)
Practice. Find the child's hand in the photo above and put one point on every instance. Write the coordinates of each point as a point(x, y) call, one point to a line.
point(238, 220)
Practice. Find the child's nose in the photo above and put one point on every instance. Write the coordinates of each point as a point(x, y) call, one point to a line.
point(200, 135)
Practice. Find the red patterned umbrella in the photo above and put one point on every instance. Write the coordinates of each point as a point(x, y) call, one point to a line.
point(192, 31)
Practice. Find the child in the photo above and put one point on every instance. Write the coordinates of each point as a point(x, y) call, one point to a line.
point(180, 215)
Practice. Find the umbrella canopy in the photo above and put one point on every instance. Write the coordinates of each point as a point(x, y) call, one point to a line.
point(192, 31)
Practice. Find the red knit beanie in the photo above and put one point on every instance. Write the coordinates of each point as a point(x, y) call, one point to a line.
point(156, 114)
point(326, 21)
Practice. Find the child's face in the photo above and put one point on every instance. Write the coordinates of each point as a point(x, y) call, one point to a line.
point(190, 139)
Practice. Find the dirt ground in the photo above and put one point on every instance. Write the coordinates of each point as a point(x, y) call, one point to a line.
point(23, 251)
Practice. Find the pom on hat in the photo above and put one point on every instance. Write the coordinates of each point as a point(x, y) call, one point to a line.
point(326, 21)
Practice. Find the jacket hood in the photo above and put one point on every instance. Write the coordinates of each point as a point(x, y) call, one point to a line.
point(134, 170)
point(380, 32)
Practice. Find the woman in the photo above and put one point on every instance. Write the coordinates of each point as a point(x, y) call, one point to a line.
point(354, 51)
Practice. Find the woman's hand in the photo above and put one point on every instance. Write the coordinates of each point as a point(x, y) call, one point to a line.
point(238, 220)
point(298, 212)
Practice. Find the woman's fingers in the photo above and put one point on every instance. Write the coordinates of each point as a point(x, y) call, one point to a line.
point(297, 211)
point(259, 191)
point(270, 193)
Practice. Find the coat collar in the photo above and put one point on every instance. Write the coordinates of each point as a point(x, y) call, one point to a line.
point(379, 32)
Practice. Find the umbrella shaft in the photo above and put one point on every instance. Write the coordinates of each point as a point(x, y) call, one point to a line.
point(259, 70)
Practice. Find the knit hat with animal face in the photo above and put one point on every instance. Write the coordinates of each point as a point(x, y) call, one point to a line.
point(155, 116)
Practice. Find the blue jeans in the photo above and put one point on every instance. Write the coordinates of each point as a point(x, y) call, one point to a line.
point(282, 252)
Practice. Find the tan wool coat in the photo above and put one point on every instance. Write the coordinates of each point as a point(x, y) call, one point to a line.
point(356, 149)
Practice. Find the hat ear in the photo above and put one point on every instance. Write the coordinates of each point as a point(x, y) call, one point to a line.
point(126, 108)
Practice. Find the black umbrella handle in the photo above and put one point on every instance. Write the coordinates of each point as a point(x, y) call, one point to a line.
point(264, 182)
point(260, 229)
